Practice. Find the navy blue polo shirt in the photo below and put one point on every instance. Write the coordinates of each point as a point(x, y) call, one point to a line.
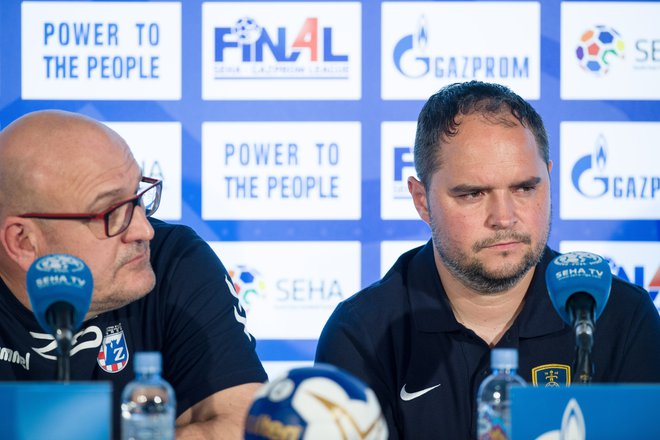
point(401, 337)
point(190, 316)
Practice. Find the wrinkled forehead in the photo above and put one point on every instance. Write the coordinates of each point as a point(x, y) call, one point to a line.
point(56, 154)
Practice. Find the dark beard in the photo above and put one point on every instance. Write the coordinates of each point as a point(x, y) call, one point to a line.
point(472, 273)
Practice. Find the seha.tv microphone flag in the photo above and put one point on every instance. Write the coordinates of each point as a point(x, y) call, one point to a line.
point(60, 290)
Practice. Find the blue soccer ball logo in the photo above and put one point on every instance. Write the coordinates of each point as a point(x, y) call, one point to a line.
point(316, 403)
point(247, 30)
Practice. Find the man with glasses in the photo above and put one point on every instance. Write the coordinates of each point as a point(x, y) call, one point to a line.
point(69, 184)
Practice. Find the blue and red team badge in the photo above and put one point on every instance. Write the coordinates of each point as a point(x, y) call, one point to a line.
point(113, 354)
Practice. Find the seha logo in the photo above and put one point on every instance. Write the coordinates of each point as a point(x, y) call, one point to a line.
point(578, 259)
point(60, 263)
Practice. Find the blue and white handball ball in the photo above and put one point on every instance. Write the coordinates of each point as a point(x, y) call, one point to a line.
point(316, 403)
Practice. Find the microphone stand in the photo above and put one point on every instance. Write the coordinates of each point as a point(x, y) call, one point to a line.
point(63, 338)
point(584, 342)
point(60, 315)
point(583, 305)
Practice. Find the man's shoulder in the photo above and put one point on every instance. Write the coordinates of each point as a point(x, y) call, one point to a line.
point(164, 230)
point(626, 306)
point(625, 293)
point(626, 287)
point(387, 295)
point(179, 250)
point(173, 239)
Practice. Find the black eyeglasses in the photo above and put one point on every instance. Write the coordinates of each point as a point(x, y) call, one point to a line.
point(117, 217)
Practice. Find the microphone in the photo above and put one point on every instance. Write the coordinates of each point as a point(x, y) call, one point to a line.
point(60, 287)
point(579, 285)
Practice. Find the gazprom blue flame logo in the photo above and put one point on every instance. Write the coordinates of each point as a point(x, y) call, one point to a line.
point(410, 52)
point(572, 424)
point(592, 164)
point(593, 176)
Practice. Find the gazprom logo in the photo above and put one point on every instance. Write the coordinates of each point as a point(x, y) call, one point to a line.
point(412, 60)
point(591, 178)
point(410, 52)
point(572, 427)
point(248, 49)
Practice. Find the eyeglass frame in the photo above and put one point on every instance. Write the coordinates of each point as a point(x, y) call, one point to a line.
point(105, 214)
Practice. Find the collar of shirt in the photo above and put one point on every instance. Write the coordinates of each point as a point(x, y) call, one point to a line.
point(432, 312)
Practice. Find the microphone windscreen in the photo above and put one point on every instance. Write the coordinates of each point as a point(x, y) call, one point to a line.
point(319, 402)
point(59, 278)
point(575, 272)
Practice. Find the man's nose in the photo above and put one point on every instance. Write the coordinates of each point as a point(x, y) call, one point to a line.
point(501, 211)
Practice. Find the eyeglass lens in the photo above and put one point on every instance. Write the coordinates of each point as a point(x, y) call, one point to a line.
point(150, 200)
point(120, 217)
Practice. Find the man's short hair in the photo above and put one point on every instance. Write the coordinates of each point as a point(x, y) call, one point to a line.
point(438, 122)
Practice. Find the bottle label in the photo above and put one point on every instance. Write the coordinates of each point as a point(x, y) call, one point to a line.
point(493, 424)
point(148, 426)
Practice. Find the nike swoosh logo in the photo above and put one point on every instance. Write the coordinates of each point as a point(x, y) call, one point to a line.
point(406, 396)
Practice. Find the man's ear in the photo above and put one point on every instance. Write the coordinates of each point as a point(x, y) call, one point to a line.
point(418, 193)
point(20, 239)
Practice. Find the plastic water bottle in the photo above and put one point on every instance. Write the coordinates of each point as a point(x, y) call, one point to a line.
point(493, 402)
point(148, 404)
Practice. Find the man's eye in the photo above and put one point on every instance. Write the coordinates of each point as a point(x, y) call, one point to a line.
point(471, 195)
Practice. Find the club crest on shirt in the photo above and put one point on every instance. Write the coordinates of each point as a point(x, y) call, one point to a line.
point(551, 375)
point(113, 354)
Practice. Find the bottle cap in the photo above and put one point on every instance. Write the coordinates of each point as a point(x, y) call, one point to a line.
point(504, 358)
point(148, 362)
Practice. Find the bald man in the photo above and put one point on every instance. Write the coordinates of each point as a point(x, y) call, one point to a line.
point(69, 184)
